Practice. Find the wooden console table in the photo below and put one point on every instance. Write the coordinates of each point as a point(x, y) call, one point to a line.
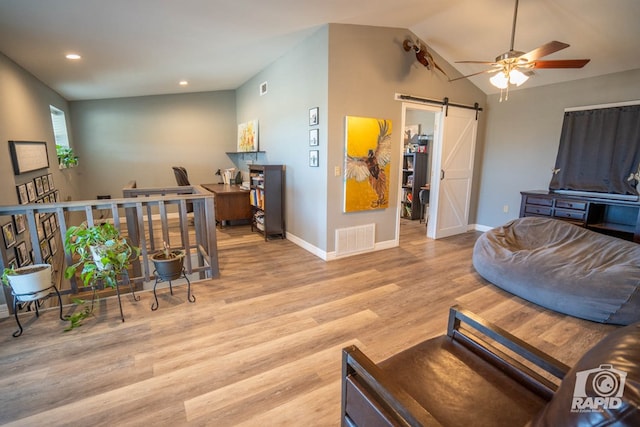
point(614, 217)
point(231, 202)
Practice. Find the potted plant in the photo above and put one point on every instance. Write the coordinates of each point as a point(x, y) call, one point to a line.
point(103, 255)
point(168, 263)
point(28, 283)
point(66, 157)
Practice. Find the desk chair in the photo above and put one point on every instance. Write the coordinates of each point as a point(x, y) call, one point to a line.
point(424, 203)
point(183, 180)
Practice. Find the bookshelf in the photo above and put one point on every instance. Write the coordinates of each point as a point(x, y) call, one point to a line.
point(266, 196)
point(414, 176)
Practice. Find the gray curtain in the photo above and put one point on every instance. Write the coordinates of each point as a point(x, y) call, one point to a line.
point(598, 150)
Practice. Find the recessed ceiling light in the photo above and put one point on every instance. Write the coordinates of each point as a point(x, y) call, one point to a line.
point(183, 83)
point(73, 56)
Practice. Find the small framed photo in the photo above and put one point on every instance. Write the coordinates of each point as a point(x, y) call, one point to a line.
point(44, 249)
point(313, 137)
point(31, 191)
point(22, 254)
point(45, 183)
point(20, 221)
point(47, 227)
point(39, 188)
point(313, 116)
point(56, 196)
point(23, 198)
point(313, 158)
point(52, 223)
point(50, 180)
point(9, 234)
point(53, 246)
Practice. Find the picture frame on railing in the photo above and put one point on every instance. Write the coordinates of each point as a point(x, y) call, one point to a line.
point(9, 235)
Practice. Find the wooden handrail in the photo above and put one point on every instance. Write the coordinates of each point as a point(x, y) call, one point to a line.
point(136, 215)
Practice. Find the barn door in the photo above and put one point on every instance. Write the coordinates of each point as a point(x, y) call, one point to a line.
point(452, 173)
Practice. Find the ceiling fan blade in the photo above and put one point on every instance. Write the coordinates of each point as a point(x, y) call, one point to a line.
point(544, 50)
point(491, 70)
point(477, 62)
point(561, 63)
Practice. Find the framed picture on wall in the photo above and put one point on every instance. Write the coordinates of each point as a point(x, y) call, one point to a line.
point(23, 198)
point(9, 234)
point(20, 221)
point(313, 137)
point(313, 116)
point(31, 191)
point(53, 245)
point(22, 254)
point(45, 183)
point(50, 180)
point(313, 158)
point(39, 188)
point(44, 249)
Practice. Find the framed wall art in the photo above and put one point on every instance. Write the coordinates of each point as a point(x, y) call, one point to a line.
point(31, 192)
point(9, 234)
point(368, 153)
point(313, 116)
point(314, 158)
point(22, 254)
point(313, 137)
point(20, 221)
point(23, 198)
point(27, 156)
point(248, 136)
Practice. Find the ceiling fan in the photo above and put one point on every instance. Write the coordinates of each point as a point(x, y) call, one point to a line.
point(515, 67)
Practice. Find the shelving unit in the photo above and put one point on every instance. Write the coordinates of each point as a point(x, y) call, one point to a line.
point(267, 199)
point(414, 176)
point(613, 217)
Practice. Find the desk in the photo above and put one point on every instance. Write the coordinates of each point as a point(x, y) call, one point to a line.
point(231, 202)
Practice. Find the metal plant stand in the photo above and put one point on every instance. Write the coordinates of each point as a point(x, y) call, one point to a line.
point(23, 298)
point(190, 297)
point(133, 292)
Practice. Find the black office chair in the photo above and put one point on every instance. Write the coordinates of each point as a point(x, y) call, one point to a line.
point(182, 178)
point(424, 202)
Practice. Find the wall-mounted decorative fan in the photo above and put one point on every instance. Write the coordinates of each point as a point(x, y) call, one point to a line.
point(515, 67)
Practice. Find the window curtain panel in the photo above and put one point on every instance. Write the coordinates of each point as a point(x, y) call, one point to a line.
point(598, 150)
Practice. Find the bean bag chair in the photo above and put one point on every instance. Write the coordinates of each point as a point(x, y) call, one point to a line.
point(563, 267)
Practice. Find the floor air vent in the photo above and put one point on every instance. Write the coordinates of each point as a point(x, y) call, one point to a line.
point(355, 239)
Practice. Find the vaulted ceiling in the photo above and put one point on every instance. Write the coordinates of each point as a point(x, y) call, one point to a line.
point(145, 47)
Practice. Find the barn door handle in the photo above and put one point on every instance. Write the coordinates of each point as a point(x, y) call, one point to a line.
point(441, 174)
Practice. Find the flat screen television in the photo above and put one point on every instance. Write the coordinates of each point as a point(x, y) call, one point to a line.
point(599, 153)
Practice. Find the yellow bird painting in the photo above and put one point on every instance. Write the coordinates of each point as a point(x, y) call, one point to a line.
point(368, 157)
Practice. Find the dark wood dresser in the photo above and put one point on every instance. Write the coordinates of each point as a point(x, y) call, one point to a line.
point(613, 217)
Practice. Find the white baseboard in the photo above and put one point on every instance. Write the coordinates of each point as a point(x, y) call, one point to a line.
point(479, 227)
point(330, 256)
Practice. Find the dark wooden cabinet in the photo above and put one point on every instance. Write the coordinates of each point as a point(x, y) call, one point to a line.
point(414, 176)
point(613, 217)
point(267, 199)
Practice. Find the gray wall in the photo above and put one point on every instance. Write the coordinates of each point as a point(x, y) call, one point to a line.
point(523, 134)
point(25, 116)
point(296, 82)
point(367, 67)
point(140, 138)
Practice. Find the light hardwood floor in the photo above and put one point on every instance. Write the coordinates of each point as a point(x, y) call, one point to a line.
point(261, 345)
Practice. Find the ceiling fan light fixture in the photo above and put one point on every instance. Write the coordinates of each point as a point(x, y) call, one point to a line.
point(500, 80)
point(517, 78)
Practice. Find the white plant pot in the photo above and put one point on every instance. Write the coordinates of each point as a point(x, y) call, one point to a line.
point(33, 283)
point(96, 252)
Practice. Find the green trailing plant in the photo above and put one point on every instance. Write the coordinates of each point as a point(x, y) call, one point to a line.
point(66, 156)
point(102, 256)
point(75, 320)
point(8, 271)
